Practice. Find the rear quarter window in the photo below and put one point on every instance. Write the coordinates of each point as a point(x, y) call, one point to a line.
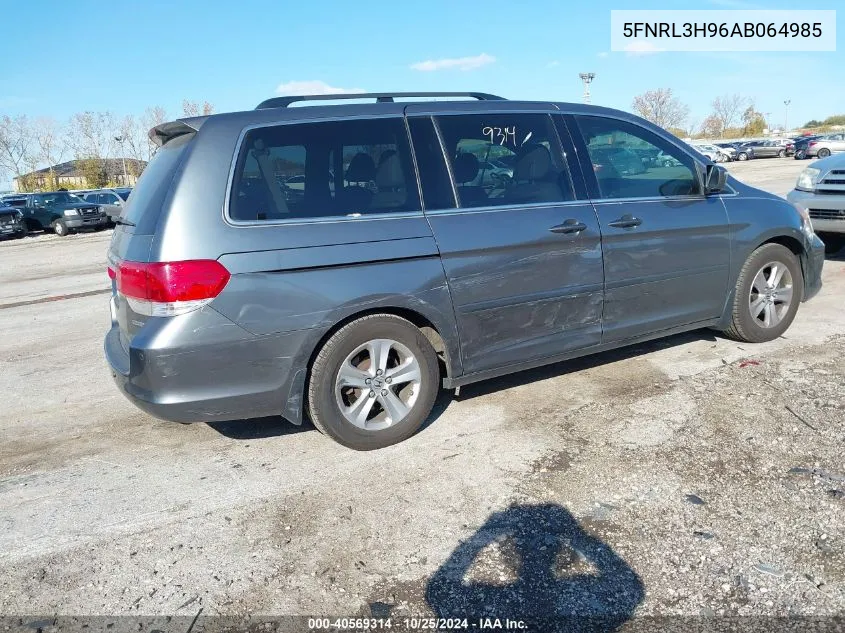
point(144, 206)
point(333, 168)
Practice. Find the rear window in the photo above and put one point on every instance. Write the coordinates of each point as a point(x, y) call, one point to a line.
point(151, 189)
point(333, 168)
point(123, 194)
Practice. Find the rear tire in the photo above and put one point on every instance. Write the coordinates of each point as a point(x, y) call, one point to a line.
point(362, 409)
point(782, 153)
point(60, 228)
point(769, 288)
point(824, 152)
point(742, 156)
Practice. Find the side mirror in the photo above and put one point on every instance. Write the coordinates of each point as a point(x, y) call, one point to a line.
point(715, 179)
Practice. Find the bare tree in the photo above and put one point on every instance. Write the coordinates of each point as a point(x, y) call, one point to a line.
point(92, 134)
point(152, 117)
point(727, 109)
point(15, 146)
point(51, 146)
point(711, 127)
point(661, 108)
point(194, 108)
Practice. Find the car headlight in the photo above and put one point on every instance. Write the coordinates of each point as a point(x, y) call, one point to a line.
point(71, 212)
point(807, 179)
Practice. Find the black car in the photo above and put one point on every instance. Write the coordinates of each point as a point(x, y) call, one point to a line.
point(801, 145)
point(11, 223)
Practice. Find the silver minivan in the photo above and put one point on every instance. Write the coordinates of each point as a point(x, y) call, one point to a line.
point(344, 262)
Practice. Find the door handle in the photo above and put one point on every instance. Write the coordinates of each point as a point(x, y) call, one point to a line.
point(627, 221)
point(569, 226)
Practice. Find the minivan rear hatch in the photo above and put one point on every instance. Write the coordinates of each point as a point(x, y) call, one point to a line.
point(133, 236)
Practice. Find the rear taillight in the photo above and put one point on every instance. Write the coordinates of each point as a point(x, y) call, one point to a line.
point(111, 272)
point(170, 288)
point(812, 143)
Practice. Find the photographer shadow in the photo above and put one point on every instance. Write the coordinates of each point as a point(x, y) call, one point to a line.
point(535, 564)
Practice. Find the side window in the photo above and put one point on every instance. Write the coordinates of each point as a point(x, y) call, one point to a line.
point(632, 162)
point(434, 178)
point(333, 168)
point(505, 159)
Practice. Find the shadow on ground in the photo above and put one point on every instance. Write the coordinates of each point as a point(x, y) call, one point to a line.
point(584, 362)
point(536, 563)
point(532, 564)
point(275, 426)
point(259, 428)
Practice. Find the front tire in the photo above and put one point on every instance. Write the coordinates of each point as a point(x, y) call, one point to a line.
point(60, 228)
point(769, 288)
point(373, 383)
point(742, 156)
point(824, 152)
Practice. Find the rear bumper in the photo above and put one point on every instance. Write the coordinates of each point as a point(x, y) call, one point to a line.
point(201, 367)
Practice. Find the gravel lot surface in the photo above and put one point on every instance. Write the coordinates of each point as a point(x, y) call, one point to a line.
point(691, 476)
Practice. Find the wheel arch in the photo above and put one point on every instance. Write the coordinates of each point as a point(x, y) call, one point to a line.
point(440, 333)
point(789, 241)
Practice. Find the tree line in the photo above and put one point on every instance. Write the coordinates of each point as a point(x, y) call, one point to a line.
point(90, 138)
point(731, 116)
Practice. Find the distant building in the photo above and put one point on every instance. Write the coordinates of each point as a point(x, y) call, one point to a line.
point(68, 175)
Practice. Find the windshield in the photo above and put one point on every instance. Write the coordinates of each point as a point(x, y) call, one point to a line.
point(60, 197)
point(124, 194)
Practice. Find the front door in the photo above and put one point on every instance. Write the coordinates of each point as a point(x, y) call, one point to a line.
point(666, 246)
point(522, 254)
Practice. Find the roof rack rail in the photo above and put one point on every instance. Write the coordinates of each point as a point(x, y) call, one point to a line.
point(380, 97)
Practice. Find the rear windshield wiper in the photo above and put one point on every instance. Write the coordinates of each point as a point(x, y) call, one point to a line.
point(124, 221)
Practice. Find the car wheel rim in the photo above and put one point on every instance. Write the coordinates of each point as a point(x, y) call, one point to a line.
point(377, 384)
point(771, 295)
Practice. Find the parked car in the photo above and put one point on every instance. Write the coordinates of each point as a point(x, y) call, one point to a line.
point(764, 149)
point(712, 152)
point(111, 201)
point(354, 306)
point(801, 144)
point(728, 149)
point(787, 144)
point(14, 200)
point(11, 223)
point(620, 159)
point(61, 212)
point(820, 191)
point(826, 145)
point(745, 151)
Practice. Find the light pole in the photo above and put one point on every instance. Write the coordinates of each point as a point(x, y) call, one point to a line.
point(786, 116)
point(587, 79)
point(119, 139)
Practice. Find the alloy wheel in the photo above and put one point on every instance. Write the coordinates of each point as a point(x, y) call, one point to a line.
point(378, 384)
point(771, 294)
